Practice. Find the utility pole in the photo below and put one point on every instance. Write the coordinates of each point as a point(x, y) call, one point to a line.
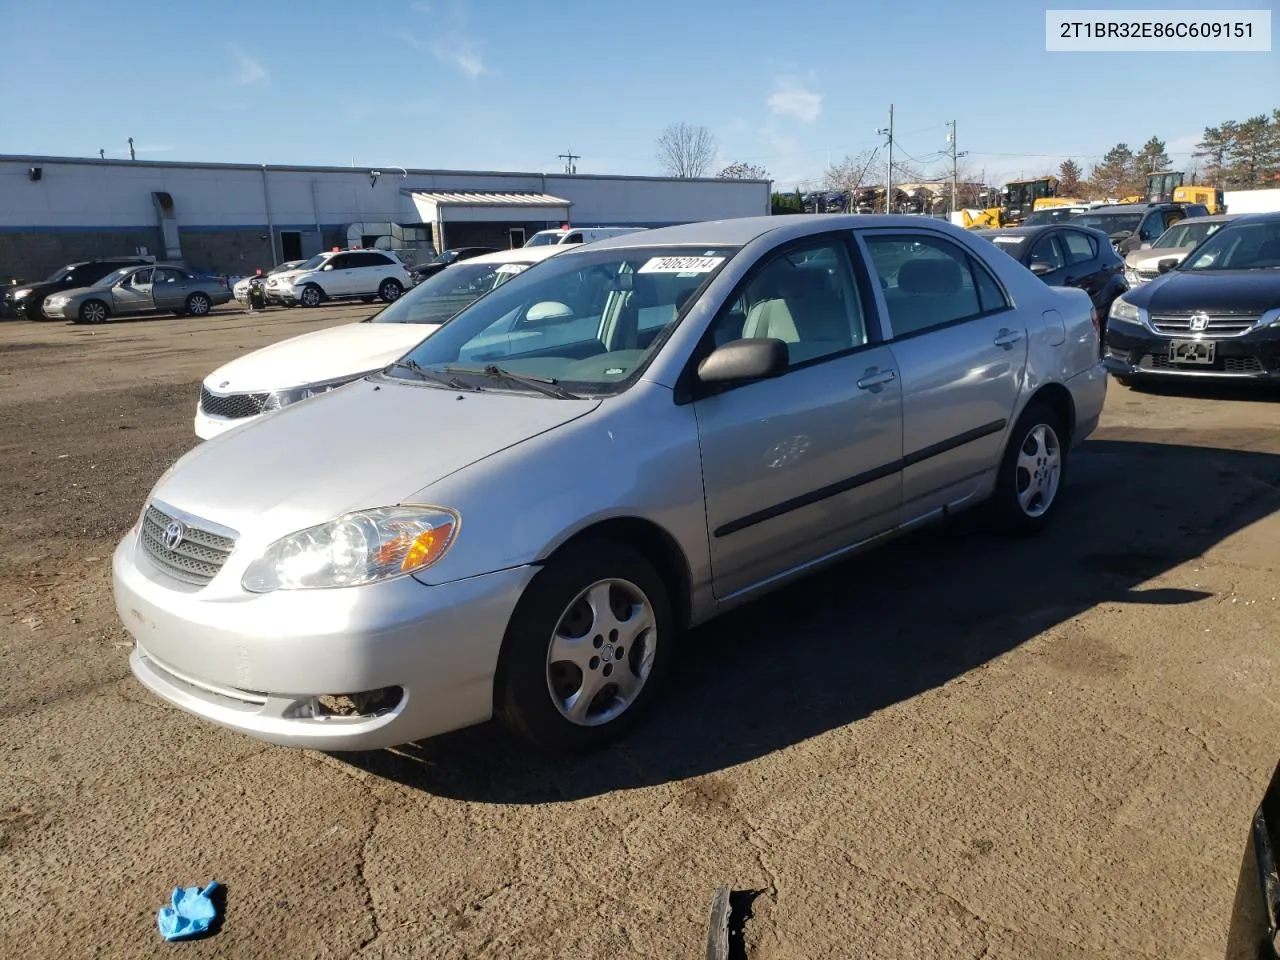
point(955, 176)
point(569, 165)
point(888, 168)
point(132, 155)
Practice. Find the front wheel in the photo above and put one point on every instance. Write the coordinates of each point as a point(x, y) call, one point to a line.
point(585, 649)
point(93, 311)
point(390, 290)
point(311, 296)
point(1032, 471)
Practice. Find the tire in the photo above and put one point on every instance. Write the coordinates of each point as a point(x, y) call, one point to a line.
point(389, 290)
point(93, 311)
point(311, 296)
point(1032, 471)
point(198, 305)
point(535, 695)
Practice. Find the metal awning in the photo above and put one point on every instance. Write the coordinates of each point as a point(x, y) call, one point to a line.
point(485, 206)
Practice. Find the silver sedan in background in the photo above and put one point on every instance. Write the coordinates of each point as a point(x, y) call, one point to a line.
point(521, 515)
point(155, 288)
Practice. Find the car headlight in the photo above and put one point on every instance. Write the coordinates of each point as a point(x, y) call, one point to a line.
point(1122, 311)
point(363, 547)
point(283, 398)
point(57, 301)
point(21, 294)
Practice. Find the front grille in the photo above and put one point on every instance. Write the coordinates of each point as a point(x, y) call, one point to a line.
point(1147, 274)
point(196, 559)
point(1229, 325)
point(232, 406)
point(1157, 361)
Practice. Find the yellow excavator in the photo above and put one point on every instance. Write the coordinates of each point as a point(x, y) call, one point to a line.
point(1171, 186)
point(1018, 199)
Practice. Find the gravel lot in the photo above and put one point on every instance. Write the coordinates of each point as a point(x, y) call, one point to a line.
point(955, 747)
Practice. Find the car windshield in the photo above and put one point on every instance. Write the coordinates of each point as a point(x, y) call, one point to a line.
point(544, 238)
point(115, 276)
point(1109, 223)
point(589, 321)
point(1186, 234)
point(440, 296)
point(1239, 246)
point(315, 263)
point(290, 265)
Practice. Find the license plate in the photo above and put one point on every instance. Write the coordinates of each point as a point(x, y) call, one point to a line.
point(1191, 351)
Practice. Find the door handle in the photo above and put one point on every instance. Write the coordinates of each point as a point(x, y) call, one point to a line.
point(1007, 337)
point(876, 378)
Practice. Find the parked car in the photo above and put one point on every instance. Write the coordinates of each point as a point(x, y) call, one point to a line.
point(25, 300)
point(508, 521)
point(1041, 218)
point(1129, 225)
point(240, 290)
point(578, 235)
point(159, 288)
point(339, 275)
point(1254, 930)
point(284, 373)
point(1143, 264)
point(434, 266)
point(1214, 315)
point(1066, 255)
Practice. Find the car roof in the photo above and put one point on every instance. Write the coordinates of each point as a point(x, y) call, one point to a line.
point(1036, 229)
point(1211, 218)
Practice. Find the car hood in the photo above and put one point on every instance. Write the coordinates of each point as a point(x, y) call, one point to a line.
point(318, 357)
point(372, 443)
point(1150, 259)
point(286, 276)
point(1213, 291)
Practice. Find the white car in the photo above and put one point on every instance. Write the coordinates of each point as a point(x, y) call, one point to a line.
point(578, 235)
point(342, 274)
point(241, 289)
point(284, 373)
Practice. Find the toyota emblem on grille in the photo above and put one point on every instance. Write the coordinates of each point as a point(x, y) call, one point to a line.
point(1199, 322)
point(174, 534)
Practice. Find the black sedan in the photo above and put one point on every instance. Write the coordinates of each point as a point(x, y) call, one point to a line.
point(1064, 255)
point(1215, 315)
point(1254, 932)
point(432, 267)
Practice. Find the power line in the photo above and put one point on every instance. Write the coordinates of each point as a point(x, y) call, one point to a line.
point(569, 165)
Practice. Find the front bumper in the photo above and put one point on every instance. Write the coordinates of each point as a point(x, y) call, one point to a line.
point(68, 311)
point(1135, 352)
point(208, 427)
point(256, 663)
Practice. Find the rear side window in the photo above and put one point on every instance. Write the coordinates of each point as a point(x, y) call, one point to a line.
point(572, 238)
point(930, 282)
point(1080, 246)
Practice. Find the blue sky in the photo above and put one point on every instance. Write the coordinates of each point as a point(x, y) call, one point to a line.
point(509, 86)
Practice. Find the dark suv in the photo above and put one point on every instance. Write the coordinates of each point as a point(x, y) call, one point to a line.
point(24, 300)
point(1130, 225)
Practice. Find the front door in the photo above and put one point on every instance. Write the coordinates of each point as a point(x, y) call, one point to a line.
point(336, 276)
point(961, 354)
point(133, 293)
point(797, 467)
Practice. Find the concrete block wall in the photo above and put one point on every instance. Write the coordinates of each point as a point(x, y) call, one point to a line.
point(34, 254)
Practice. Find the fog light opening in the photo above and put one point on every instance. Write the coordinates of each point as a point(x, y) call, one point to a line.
point(369, 703)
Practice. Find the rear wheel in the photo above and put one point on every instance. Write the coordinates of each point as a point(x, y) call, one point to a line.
point(93, 311)
point(198, 305)
point(585, 649)
point(390, 290)
point(1032, 470)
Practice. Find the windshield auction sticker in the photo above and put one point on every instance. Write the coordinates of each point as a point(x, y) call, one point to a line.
point(686, 265)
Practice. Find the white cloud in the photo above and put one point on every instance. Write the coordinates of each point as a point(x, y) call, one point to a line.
point(460, 53)
point(248, 70)
point(791, 98)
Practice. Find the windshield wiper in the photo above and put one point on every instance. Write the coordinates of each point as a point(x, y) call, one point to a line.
point(415, 367)
point(548, 386)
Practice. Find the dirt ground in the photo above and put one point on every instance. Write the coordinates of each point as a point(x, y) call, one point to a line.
point(955, 747)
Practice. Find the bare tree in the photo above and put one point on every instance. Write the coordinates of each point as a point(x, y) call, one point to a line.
point(686, 151)
point(741, 170)
point(851, 173)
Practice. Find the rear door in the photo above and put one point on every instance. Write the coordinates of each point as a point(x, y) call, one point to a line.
point(1048, 252)
point(802, 465)
point(169, 288)
point(1086, 268)
point(133, 293)
point(960, 350)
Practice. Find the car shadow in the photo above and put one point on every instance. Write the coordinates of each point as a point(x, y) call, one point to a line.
point(883, 627)
point(1239, 391)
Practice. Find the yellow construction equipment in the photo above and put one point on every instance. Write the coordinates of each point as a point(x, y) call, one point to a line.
point(1171, 186)
point(1018, 199)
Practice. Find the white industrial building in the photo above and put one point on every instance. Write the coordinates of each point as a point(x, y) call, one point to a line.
point(232, 218)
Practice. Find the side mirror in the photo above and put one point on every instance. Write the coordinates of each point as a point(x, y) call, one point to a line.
point(1167, 264)
point(1040, 268)
point(548, 311)
point(751, 359)
point(328, 266)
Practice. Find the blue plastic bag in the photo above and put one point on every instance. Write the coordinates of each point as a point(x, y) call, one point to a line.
point(191, 913)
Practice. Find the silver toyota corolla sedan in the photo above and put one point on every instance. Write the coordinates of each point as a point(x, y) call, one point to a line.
point(522, 515)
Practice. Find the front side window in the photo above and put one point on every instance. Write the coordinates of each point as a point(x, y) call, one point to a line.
point(588, 321)
point(315, 263)
point(806, 298)
point(544, 238)
point(930, 282)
